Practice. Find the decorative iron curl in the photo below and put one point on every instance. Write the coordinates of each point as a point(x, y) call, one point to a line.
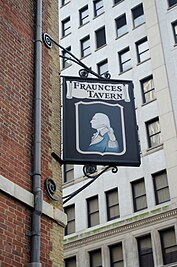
point(83, 73)
point(51, 188)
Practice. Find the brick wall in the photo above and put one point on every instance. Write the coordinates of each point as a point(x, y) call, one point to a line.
point(16, 130)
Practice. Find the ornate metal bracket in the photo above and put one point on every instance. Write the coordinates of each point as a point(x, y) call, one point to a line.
point(90, 171)
point(48, 41)
point(51, 188)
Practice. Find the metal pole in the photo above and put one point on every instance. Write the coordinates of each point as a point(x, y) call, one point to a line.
point(38, 194)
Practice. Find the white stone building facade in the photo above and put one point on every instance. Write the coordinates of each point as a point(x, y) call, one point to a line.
point(128, 218)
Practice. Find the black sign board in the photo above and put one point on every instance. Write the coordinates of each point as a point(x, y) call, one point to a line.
point(99, 125)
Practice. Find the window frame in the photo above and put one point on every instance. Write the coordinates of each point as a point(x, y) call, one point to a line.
point(81, 18)
point(97, 10)
point(89, 213)
point(156, 190)
point(68, 28)
point(144, 93)
point(164, 256)
point(100, 37)
point(100, 65)
point(109, 206)
point(112, 260)
point(66, 261)
point(171, 5)
point(71, 221)
point(118, 22)
point(116, 2)
point(141, 254)
point(65, 64)
point(91, 255)
point(134, 17)
point(149, 136)
point(174, 27)
point(133, 183)
point(82, 41)
point(140, 53)
point(121, 63)
point(66, 171)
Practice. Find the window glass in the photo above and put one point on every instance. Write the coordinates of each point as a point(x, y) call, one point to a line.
point(85, 46)
point(138, 15)
point(143, 50)
point(154, 133)
point(139, 195)
point(103, 67)
point(121, 25)
point(70, 262)
point(66, 62)
point(174, 25)
point(161, 187)
point(116, 255)
point(84, 15)
point(125, 60)
point(70, 211)
point(66, 27)
point(145, 251)
point(68, 172)
point(169, 246)
point(93, 211)
point(100, 37)
point(95, 258)
point(148, 89)
point(98, 7)
point(112, 204)
point(172, 2)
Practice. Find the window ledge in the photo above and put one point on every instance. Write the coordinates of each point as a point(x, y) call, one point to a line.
point(85, 56)
point(145, 104)
point(83, 24)
point(100, 47)
point(171, 7)
point(118, 3)
point(65, 4)
point(99, 15)
point(138, 25)
point(120, 73)
point(65, 36)
point(154, 149)
point(139, 63)
point(118, 37)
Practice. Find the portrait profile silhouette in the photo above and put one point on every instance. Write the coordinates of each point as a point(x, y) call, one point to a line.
point(103, 140)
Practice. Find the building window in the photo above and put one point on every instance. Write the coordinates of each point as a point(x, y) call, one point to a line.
point(143, 50)
point(172, 3)
point(125, 60)
point(70, 262)
point(169, 246)
point(138, 15)
point(93, 211)
point(112, 204)
point(84, 15)
point(153, 133)
point(70, 211)
point(145, 251)
point(66, 27)
point(85, 46)
point(68, 173)
point(139, 195)
point(174, 25)
point(100, 37)
point(121, 25)
point(95, 258)
point(66, 62)
point(98, 7)
point(148, 90)
point(161, 188)
point(103, 67)
point(117, 1)
point(116, 255)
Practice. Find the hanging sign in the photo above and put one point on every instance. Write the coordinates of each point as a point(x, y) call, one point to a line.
point(99, 125)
